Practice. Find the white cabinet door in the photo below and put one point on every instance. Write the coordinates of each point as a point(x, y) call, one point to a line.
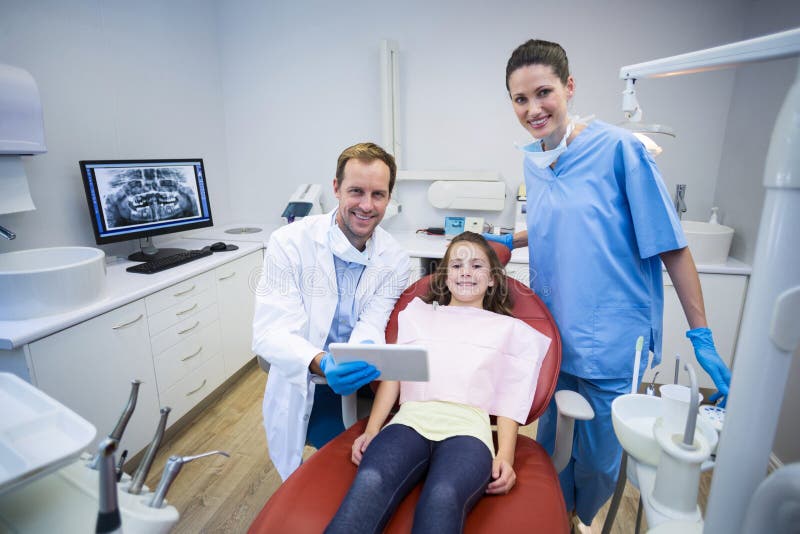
point(724, 299)
point(89, 368)
point(518, 271)
point(236, 284)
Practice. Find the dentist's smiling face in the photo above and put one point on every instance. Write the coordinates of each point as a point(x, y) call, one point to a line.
point(540, 101)
point(468, 275)
point(363, 196)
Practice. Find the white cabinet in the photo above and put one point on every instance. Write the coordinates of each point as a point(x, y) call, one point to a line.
point(415, 270)
point(182, 342)
point(724, 296)
point(518, 271)
point(236, 284)
point(89, 368)
point(185, 342)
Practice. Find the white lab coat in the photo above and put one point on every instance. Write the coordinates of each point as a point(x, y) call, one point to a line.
point(295, 304)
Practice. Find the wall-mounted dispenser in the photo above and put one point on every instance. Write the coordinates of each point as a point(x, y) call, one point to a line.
point(21, 133)
point(21, 123)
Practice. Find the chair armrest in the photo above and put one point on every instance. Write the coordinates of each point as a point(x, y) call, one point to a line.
point(571, 406)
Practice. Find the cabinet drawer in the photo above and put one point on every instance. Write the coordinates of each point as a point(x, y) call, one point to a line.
point(178, 293)
point(247, 269)
point(179, 360)
point(194, 387)
point(180, 311)
point(182, 330)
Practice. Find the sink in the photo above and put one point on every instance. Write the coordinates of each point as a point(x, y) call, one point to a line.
point(633, 417)
point(45, 281)
point(709, 243)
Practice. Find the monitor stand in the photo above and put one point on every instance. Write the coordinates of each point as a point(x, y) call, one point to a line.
point(150, 252)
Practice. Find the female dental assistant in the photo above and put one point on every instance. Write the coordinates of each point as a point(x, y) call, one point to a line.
point(599, 224)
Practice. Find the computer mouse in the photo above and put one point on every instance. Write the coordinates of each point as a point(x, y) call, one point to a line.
point(218, 246)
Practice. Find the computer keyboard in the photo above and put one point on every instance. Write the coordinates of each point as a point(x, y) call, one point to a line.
point(167, 262)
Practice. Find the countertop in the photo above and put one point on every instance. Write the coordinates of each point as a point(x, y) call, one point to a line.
point(434, 246)
point(122, 288)
point(230, 232)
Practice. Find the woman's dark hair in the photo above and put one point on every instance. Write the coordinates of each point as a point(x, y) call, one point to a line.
point(496, 299)
point(537, 52)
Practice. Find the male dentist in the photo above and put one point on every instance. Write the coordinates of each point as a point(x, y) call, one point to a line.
point(327, 278)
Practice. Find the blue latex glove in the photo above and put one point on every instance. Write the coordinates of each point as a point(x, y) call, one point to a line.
point(346, 377)
point(708, 358)
point(503, 239)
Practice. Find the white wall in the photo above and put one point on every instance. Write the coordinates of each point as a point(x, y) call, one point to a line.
point(269, 93)
point(117, 79)
point(301, 82)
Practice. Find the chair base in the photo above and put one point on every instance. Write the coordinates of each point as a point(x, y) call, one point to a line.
point(308, 500)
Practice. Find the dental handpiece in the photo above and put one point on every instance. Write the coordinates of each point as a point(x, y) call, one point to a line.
point(119, 429)
point(171, 470)
point(144, 466)
point(108, 518)
point(116, 434)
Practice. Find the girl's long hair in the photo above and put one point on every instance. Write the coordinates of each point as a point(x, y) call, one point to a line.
point(497, 298)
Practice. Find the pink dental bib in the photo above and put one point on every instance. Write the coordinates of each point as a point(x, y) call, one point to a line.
point(475, 357)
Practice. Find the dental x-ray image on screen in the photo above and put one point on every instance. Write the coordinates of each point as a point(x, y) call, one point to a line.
point(147, 194)
point(130, 199)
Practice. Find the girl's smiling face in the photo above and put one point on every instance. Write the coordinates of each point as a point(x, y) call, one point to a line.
point(468, 275)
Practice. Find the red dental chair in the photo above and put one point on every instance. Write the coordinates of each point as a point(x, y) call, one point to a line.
point(307, 501)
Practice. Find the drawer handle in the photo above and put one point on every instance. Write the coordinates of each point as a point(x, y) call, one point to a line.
point(228, 276)
point(190, 328)
point(187, 310)
point(123, 325)
point(180, 293)
point(198, 389)
point(189, 357)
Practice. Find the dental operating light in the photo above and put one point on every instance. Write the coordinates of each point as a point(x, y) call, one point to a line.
point(775, 46)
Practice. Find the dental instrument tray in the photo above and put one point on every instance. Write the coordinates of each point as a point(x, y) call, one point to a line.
point(395, 362)
point(38, 435)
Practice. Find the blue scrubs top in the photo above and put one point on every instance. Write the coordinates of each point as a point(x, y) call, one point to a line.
point(596, 225)
point(325, 422)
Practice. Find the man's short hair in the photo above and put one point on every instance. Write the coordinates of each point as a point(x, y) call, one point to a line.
point(366, 153)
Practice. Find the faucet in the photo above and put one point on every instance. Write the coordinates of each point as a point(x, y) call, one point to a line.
point(8, 234)
point(680, 205)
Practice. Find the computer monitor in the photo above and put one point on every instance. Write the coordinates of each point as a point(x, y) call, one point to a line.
point(134, 199)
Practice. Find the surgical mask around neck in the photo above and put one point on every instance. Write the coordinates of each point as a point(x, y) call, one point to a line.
point(343, 249)
point(545, 158)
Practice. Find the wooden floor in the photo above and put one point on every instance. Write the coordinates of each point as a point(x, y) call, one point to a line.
point(218, 494)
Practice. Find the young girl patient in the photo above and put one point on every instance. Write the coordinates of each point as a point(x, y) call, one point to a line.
point(481, 361)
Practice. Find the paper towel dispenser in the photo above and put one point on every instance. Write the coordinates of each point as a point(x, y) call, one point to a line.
point(21, 123)
point(473, 195)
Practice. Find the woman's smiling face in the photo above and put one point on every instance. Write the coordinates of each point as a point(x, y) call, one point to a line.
point(540, 101)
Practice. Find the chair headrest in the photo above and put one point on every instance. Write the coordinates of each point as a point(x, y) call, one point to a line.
point(502, 251)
